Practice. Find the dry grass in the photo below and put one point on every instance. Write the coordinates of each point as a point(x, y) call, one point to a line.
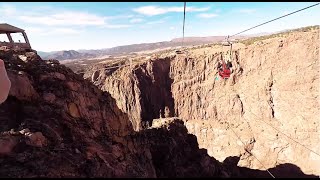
point(260, 38)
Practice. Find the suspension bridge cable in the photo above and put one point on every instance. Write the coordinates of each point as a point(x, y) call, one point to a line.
point(275, 19)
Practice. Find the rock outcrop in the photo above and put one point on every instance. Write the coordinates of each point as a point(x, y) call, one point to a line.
point(267, 113)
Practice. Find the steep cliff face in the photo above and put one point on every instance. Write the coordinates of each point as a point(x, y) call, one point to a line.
point(268, 106)
point(56, 124)
point(144, 93)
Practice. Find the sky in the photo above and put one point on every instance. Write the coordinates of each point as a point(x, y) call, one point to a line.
point(53, 26)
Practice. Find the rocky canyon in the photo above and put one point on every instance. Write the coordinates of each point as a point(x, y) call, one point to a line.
point(167, 115)
point(267, 113)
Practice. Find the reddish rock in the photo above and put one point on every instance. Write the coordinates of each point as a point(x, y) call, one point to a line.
point(49, 97)
point(7, 144)
point(73, 110)
point(22, 87)
point(36, 139)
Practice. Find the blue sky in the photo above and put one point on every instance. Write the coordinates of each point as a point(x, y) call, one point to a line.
point(82, 25)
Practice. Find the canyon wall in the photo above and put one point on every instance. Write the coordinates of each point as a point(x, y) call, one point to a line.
point(267, 112)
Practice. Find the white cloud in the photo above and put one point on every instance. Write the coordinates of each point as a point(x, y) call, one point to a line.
point(119, 17)
point(52, 31)
point(285, 12)
point(61, 20)
point(136, 20)
point(157, 10)
point(66, 31)
point(247, 11)
point(207, 15)
point(156, 22)
point(67, 18)
point(172, 28)
point(34, 30)
point(160, 21)
point(116, 26)
point(7, 10)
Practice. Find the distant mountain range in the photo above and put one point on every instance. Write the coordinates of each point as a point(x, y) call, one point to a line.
point(134, 48)
point(126, 49)
point(63, 55)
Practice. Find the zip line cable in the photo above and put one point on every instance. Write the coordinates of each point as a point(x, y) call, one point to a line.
point(275, 19)
point(251, 152)
point(281, 132)
point(286, 135)
point(184, 19)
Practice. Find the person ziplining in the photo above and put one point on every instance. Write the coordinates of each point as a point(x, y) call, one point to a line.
point(224, 66)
